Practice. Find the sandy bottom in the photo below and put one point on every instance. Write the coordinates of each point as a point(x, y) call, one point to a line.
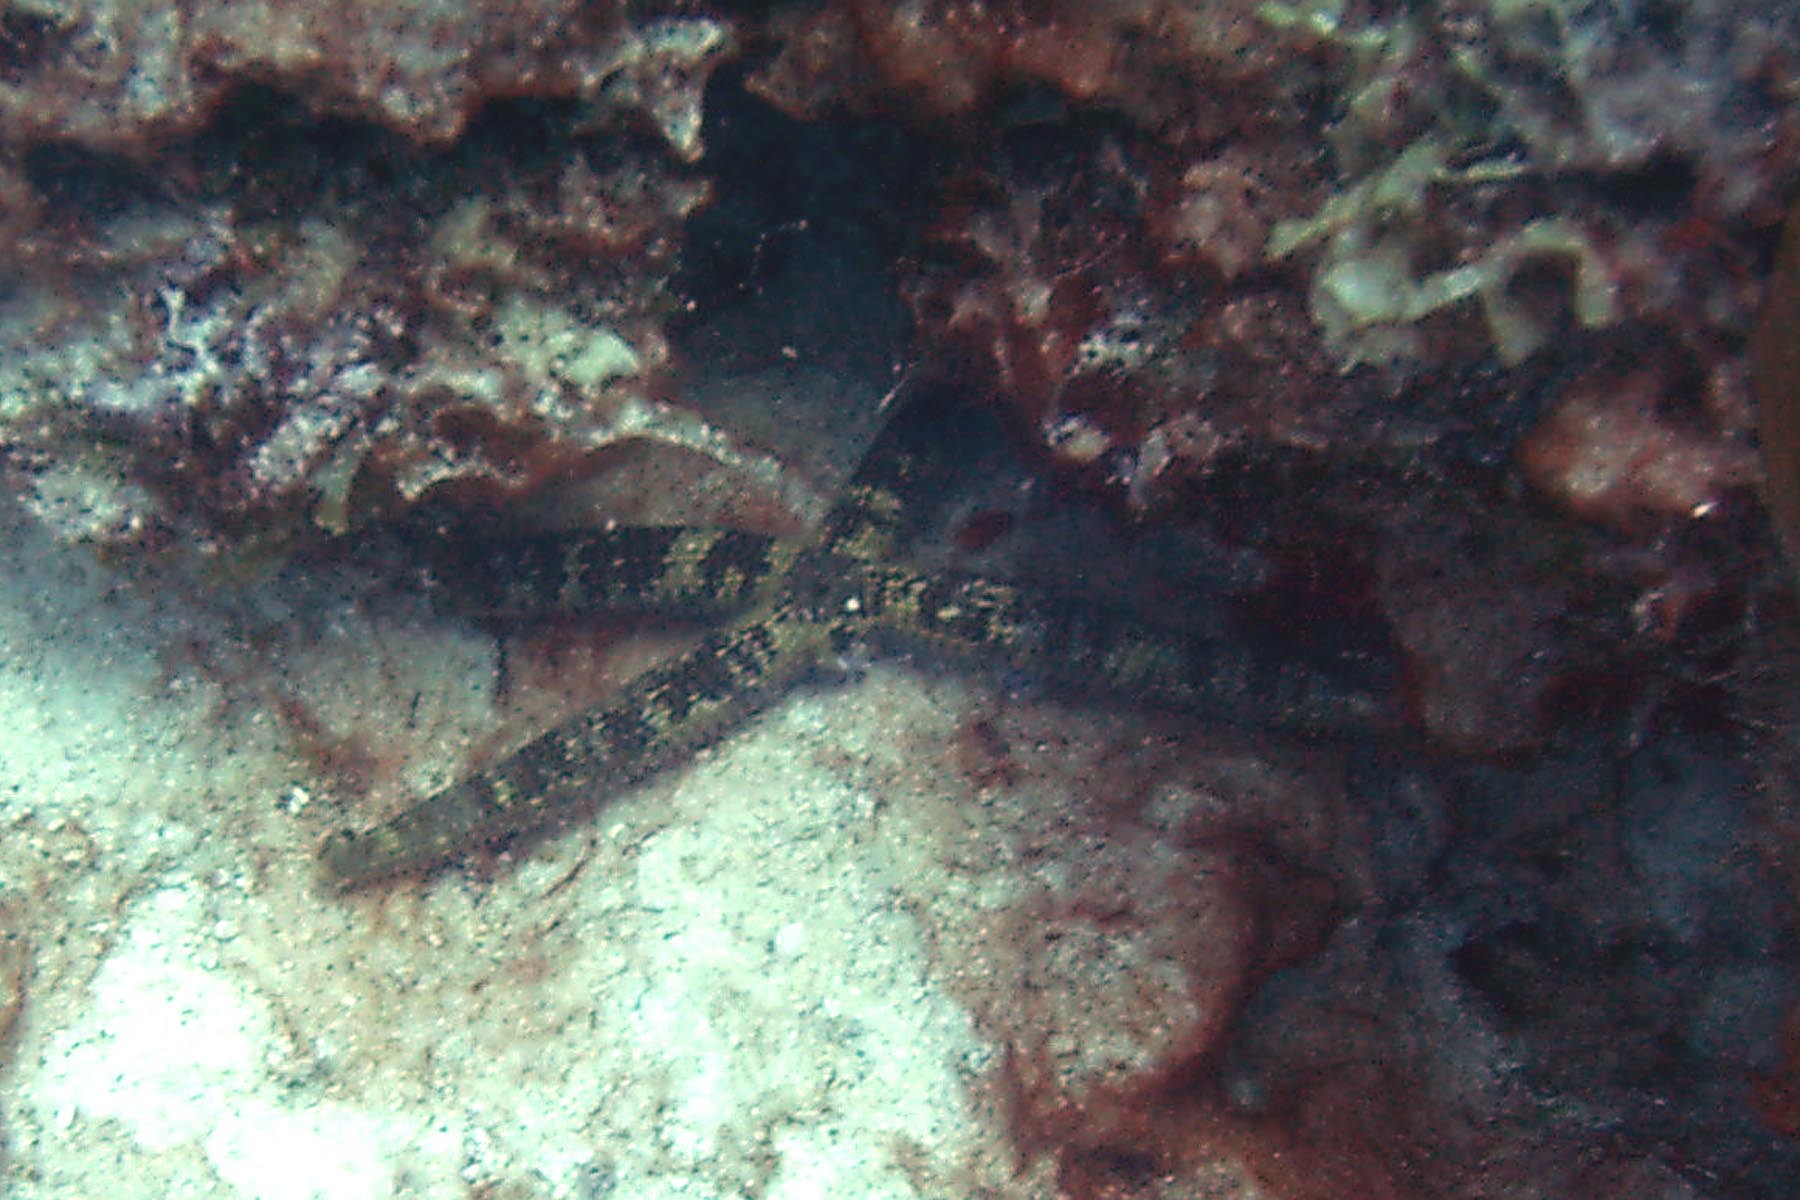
point(718, 987)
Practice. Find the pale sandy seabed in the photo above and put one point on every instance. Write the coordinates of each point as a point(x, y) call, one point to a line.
point(722, 986)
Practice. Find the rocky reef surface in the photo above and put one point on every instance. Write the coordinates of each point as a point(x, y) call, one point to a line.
point(1413, 333)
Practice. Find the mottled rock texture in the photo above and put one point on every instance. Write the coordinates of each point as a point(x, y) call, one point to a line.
point(1416, 329)
point(111, 75)
point(270, 276)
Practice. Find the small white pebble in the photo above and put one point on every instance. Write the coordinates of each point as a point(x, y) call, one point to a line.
point(790, 939)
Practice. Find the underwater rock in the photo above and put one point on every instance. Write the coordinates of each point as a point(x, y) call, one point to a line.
point(127, 77)
point(1775, 369)
point(1614, 449)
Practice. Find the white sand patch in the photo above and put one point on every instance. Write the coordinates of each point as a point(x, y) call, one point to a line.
point(715, 988)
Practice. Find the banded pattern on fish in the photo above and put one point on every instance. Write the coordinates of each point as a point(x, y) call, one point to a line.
point(1090, 649)
point(669, 711)
point(698, 573)
point(794, 607)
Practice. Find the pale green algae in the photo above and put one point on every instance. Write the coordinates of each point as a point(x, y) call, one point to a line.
point(1368, 289)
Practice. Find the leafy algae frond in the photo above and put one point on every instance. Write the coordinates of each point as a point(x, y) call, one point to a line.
point(1369, 286)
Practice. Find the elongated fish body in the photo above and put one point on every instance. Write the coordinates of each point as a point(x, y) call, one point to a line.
point(794, 609)
point(664, 714)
